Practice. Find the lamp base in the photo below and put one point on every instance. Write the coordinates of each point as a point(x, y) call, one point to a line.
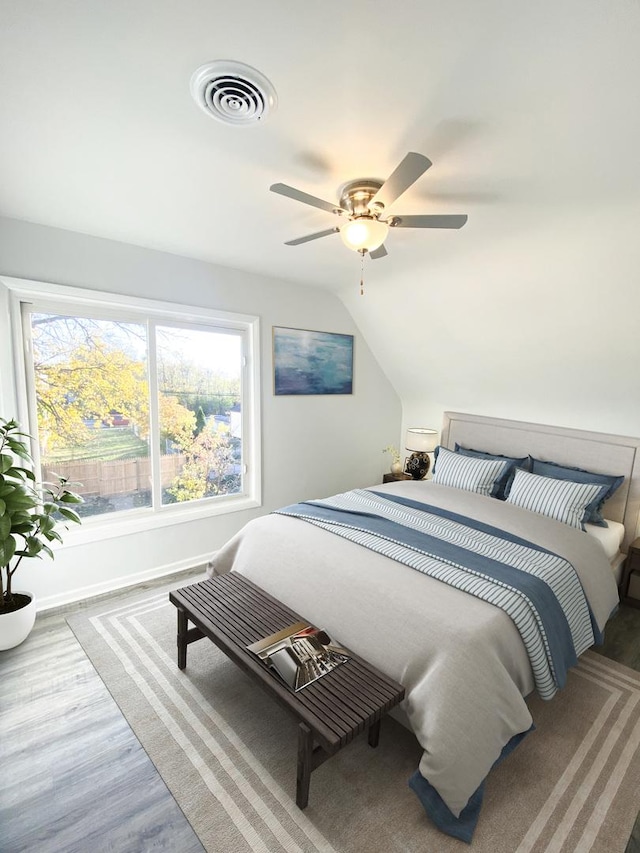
point(417, 465)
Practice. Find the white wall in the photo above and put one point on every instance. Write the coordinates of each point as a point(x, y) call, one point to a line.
point(311, 446)
point(534, 318)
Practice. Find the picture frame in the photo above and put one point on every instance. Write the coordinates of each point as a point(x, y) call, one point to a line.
point(311, 362)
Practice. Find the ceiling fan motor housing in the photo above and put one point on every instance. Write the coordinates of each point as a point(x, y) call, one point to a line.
point(233, 93)
point(356, 196)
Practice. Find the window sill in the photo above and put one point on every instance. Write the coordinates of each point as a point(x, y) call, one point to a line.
point(118, 524)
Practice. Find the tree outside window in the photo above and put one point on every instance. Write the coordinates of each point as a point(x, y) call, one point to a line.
point(96, 384)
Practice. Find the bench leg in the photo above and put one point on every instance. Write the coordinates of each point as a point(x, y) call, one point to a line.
point(374, 733)
point(305, 759)
point(182, 639)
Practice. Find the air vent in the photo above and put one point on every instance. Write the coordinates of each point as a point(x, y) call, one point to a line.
point(233, 92)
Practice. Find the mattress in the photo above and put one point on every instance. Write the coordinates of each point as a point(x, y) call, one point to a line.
point(617, 564)
point(609, 537)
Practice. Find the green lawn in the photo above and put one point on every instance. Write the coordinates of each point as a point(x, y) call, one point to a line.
point(107, 444)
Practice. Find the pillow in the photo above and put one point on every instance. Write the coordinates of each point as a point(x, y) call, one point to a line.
point(465, 472)
point(563, 500)
point(507, 477)
point(579, 475)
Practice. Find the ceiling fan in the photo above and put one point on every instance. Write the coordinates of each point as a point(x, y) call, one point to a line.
point(362, 204)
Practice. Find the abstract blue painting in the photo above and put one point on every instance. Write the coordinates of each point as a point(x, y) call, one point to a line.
point(306, 362)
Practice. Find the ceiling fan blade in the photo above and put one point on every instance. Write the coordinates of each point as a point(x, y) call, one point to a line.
point(380, 252)
point(443, 221)
point(405, 174)
point(305, 198)
point(311, 237)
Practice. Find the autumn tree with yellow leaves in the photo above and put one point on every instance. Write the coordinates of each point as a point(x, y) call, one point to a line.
point(86, 370)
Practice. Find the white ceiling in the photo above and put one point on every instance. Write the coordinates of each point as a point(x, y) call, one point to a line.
point(520, 106)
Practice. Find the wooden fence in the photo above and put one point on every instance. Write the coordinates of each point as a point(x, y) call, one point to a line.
point(117, 477)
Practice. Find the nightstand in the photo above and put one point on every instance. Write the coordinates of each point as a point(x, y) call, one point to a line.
point(393, 478)
point(630, 586)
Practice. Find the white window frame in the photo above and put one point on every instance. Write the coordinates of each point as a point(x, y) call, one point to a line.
point(47, 297)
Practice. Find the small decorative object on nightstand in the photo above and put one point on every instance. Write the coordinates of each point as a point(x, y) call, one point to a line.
point(396, 464)
point(630, 586)
point(422, 442)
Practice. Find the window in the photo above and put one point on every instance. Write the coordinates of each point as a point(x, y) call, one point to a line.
point(148, 410)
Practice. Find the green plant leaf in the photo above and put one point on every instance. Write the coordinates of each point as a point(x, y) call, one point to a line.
point(19, 476)
point(50, 535)
point(71, 498)
point(7, 550)
point(6, 462)
point(21, 515)
point(22, 528)
point(21, 500)
point(46, 523)
point(5, 524)
point(34, 546)
point(19, 449)
point(17, 472)
point(16, 486)
point(71, 514)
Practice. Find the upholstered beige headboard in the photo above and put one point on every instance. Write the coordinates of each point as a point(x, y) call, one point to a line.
point(599, 452)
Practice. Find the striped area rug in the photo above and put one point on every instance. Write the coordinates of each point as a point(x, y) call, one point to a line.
point(227, 753)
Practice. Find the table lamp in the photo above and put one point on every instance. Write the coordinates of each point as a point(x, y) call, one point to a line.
point(421, 442)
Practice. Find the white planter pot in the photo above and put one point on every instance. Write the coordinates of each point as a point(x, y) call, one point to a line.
point(16, 626)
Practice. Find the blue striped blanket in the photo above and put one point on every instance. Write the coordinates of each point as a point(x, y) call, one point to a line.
point(539, 590)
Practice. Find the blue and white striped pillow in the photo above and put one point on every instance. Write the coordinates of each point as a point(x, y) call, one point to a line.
point(563, 500)
point(468, 473)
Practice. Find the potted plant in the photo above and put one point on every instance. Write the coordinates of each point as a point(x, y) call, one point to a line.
point(30, 516)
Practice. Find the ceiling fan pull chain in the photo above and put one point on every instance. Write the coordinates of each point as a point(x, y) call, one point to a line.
point(362, 254)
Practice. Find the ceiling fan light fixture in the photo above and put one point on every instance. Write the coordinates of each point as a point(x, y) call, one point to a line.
point(364, 233)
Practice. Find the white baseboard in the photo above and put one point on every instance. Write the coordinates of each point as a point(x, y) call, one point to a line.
point(51, 601)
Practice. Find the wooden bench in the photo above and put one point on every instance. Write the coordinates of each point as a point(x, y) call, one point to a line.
point(233, 612)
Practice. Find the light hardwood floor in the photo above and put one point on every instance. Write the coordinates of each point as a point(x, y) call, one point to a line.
point(73, 776)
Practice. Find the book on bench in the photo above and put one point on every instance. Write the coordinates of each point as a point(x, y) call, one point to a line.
point(299, 654)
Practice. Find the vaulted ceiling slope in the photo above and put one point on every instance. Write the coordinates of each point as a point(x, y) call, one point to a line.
point(527, 111)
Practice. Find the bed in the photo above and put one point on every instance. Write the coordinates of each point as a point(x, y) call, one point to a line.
point(467, 664)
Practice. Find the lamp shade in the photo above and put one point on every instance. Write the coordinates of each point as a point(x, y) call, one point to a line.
point(364, 232)
point(421, 440)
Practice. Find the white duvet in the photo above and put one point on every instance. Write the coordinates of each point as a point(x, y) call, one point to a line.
point(460, 659)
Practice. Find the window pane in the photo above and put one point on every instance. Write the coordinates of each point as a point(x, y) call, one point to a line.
point(199, 386)
point(93, 408)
